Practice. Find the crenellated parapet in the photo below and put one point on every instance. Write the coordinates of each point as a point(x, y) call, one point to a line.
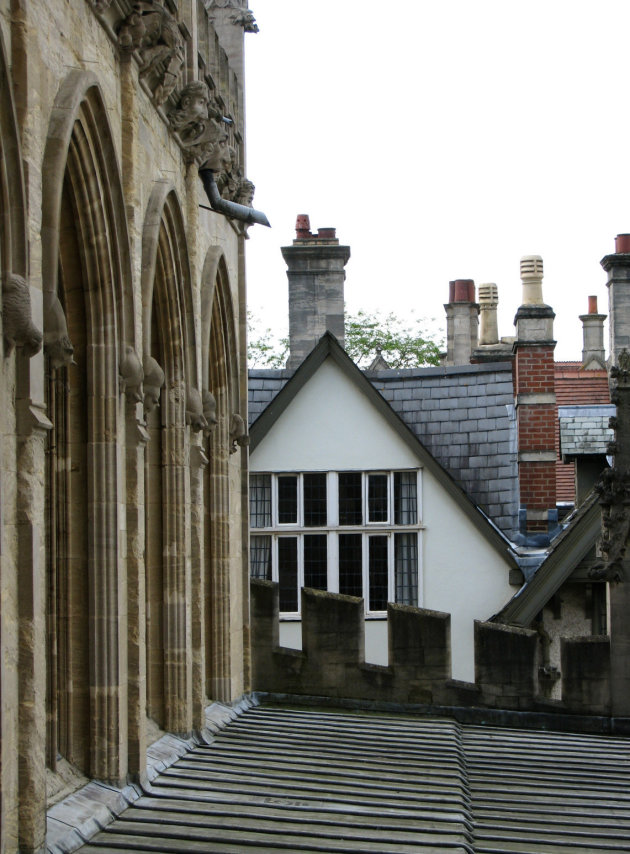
point(332, 663)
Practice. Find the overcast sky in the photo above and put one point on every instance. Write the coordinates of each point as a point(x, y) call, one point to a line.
point(443, 140)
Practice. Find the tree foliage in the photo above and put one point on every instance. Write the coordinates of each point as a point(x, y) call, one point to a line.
point(402, 343)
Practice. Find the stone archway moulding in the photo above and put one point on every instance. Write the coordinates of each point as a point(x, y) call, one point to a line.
point(164, 208)
point(215, 286)
point(81, 90)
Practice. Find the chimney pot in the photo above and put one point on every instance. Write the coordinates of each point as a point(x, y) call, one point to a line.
point(326, 233)
point(622, 244)
point(302, 226)
point(463, 290)
point(451, 291)
point(592, 305)
point(488, 302)
point(531, 277)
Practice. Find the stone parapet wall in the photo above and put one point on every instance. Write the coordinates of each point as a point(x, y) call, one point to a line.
point(332, 662)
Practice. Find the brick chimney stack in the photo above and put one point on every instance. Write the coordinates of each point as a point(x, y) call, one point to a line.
point(618, 268)
point(462, 322)
point(316, 288)
point(536, 410)
point(593, 354)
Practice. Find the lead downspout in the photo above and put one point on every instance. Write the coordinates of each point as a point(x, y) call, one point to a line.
point(231, 209)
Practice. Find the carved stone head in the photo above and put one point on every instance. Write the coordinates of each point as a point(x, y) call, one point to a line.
point(131, 375)
point(153, 382)
point(192, 107)
point(57, 343)
point(194, 410)
point(209, 411)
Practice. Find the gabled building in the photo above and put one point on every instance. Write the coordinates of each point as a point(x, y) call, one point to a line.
point(344, 497)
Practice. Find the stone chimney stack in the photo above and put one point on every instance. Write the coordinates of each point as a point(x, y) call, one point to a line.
point(462, 322)
point(536, 411)
point(488, 302)
point(618, 268)
point(316, 282)
point(593, 354)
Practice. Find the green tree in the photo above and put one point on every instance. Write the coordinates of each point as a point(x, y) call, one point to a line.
point(402, 343)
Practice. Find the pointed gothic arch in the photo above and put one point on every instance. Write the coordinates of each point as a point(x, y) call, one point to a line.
point(169, 338)
point(87, 284)
point(221, 378)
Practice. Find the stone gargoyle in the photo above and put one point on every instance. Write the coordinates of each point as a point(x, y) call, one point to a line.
point(194, 411)
point(154, 33)
point(209, 411)
point(199, 123)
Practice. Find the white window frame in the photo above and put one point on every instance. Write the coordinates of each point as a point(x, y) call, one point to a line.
point(333, 530)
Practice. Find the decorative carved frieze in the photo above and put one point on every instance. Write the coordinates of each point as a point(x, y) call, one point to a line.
point(17, 325)
point(238, 433)
point(131, 375)
point(153, 382)
point(154, 33)
point(57, 343)
point(614, 485)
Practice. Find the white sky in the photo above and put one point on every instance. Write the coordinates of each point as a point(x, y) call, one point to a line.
point(443, 140)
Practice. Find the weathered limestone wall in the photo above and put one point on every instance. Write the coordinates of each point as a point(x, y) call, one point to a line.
point(123, 356)
point(331, 663)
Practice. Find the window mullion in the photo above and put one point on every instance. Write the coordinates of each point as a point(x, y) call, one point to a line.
point(333, 563)
point(365, 564)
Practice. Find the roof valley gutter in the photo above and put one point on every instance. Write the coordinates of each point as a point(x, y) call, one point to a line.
point(231, 209)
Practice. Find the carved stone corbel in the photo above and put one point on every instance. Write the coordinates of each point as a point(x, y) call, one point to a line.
point(194, 410)
point(238, 433)
point(57, 344)
point(209, 411)
point(154, 33)
point(131, 375)
point(153, 382)
point(17, 325)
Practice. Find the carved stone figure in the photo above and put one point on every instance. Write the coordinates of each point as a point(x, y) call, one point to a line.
point(228, 180)
point(209, 411)
point(131, 375)
point(153, 382)
point(200, 126)
point(245, 193)
point(194, 410)
point(17, 326)
point(153, 31)
point(238, 433)
point(57, 343)
point(241, 16)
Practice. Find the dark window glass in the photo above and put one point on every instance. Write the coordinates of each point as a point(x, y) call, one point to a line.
point(260, 500)
point(288, 573)
point(315, 500)
point(260, 557)
point(287, 499)
point(350, 565)
point(405, 498)
point(406, 568)
point(316, 561)
point(350, 505)
point(378, 573)
point(377, 498)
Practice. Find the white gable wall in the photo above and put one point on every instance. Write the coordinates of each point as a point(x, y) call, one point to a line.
point(332, 426)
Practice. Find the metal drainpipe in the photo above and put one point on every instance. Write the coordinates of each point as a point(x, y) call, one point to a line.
point(231, 209)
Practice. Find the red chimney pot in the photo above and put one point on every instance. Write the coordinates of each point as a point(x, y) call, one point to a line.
point(327, 233)
point(622, 243)
point(303, 226)
point(463, 290)
point(592, 305)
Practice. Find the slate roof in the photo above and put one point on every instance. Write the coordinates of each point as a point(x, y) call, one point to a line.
point(584, 429)
point(464, 416)
point(575, 385)
point(279, 778)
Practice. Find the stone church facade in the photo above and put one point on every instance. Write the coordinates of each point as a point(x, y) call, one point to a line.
point(123, 484)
